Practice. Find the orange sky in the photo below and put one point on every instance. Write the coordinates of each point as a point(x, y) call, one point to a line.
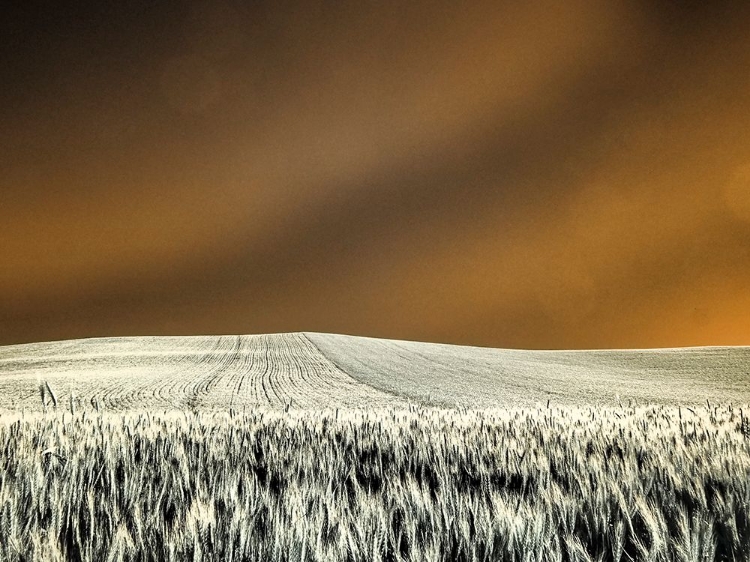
point(535, 175)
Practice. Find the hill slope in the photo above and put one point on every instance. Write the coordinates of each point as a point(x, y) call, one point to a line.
point(312, 370)
point(484, 377)
point(182, 372)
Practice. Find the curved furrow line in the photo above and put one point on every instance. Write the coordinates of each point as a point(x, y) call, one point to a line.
point(271, 360)
point(155, 387)
point(306, 378)
point(198, 385)
point(245, 362)
point(182, 384)
point(89, 388)
point(156, 375)
point(246, 365)
point(233, 372)
point(220, 385)
point(246, 390)
point(275, 358)
point(282, 375)
point(272, 353)
point(252, 380)
point(284, 371)
point(295, 388)
point(351, 392)
point(226, 371)
point(306, 388)
point(320, 383)
point(266, 371)
point(185, 385)
point(297, 391)
point(122, 390)
point(288, 376)
point(259, 377)
point(162, 389)
point(223, 369)
point(111, 396)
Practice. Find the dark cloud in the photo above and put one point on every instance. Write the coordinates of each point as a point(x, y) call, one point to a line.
point(493, 174)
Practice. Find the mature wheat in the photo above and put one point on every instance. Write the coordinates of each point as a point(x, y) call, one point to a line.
point(551, 484)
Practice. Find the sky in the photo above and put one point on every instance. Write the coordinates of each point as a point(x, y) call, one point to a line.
point(539, 175)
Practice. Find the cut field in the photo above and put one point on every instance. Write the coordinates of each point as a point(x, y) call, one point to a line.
point(312, 370)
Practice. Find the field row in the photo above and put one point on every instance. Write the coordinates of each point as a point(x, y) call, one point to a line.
point(277, 370)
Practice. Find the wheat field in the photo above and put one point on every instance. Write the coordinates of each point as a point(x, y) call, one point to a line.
point(456, 375)
point(312, 370)
point(203, 372)
point(317, 447)
point(558, 484)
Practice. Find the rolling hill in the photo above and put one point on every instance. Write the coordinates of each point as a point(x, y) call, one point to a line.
point(314, 370)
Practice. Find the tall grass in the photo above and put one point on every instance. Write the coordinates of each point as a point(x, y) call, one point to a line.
point(659, 484)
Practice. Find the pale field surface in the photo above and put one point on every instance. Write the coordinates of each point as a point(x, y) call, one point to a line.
point(477, 377)
point(202, 372)
point(316, 371)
